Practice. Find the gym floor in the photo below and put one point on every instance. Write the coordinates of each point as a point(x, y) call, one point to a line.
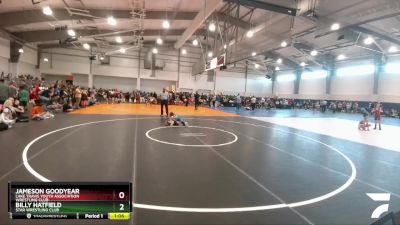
point(221, 169)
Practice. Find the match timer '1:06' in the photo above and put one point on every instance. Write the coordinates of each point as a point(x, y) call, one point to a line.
point(70, 200)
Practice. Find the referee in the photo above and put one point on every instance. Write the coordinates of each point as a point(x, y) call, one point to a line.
point(164, 102)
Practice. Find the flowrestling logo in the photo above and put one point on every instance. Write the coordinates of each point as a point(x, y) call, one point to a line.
point(380, 197)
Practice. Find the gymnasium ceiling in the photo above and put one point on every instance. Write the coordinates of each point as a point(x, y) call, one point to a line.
point(23, 20)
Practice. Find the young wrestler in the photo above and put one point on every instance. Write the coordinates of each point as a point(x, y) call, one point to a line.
point(175, 120)
point(364, 125)
point(377, 115)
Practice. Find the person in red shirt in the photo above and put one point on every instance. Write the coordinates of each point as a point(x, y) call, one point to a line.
point(34, 94)
point(377, 115)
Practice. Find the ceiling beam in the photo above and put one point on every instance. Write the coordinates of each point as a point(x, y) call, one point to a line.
point(35, 16)
point(51, 35)
point(347, 33)
point(327, 22)
point(233, 20)
point(146, 44)
point(202, 15)
point(274, 56)
point(266, 6)
point(379, 34)
point(319, 60)
point(357, 37)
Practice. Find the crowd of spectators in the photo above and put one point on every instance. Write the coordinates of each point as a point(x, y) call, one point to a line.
point(25, 98)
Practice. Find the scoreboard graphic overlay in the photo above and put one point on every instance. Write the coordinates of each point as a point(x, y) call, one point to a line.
point(67, 200)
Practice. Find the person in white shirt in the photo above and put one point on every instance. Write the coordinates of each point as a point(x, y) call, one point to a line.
point(263, 102)
point(164, 101)
point(253, 101)
point(6, 117)
point(238, 102)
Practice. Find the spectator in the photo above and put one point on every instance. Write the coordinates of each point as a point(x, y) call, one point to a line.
point(23, 96)
point(355, 107)
point(238, 102)
point(9, 103)
point(217, 100)
point(34, 93)
point(46, 95)
point(324, 104)
point(67, 107)
point(4, 92)
point(253, 102)
point(196, 100)
point(37, 112)
point(20, 112)
point(12, 90)
point(78, 96)
point(6, 119)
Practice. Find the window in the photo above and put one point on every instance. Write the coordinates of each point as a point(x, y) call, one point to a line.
point(319, 74)
point(392, 68)
point(356, 70)
point(285, 77)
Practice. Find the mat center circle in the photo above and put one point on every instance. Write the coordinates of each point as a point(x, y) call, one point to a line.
point(191, 136)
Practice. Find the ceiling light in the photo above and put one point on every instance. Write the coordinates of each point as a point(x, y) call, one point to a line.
point(253, 53)
point(314, 53)
point(211, 27)
point(165, 24)
point(256, 65)
point(21, 50)
point(195, 42)
point(283, 44)
point(118, 39)
point(122, 50)
point(47, 11)
point(279, 61)
point(341, 57)
point(159, 41)
point(335, 26)
point(393, 49)
point(277, 68)
point(250, 34)
point(101, 58)
point(210, 54)
point(111, 20)
point(225, 46)
point(71, 33)
point(184, 51)
point(46, 59)
point(303, 64)
point(368, 40)
point(86, 46)
point(155, 51)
